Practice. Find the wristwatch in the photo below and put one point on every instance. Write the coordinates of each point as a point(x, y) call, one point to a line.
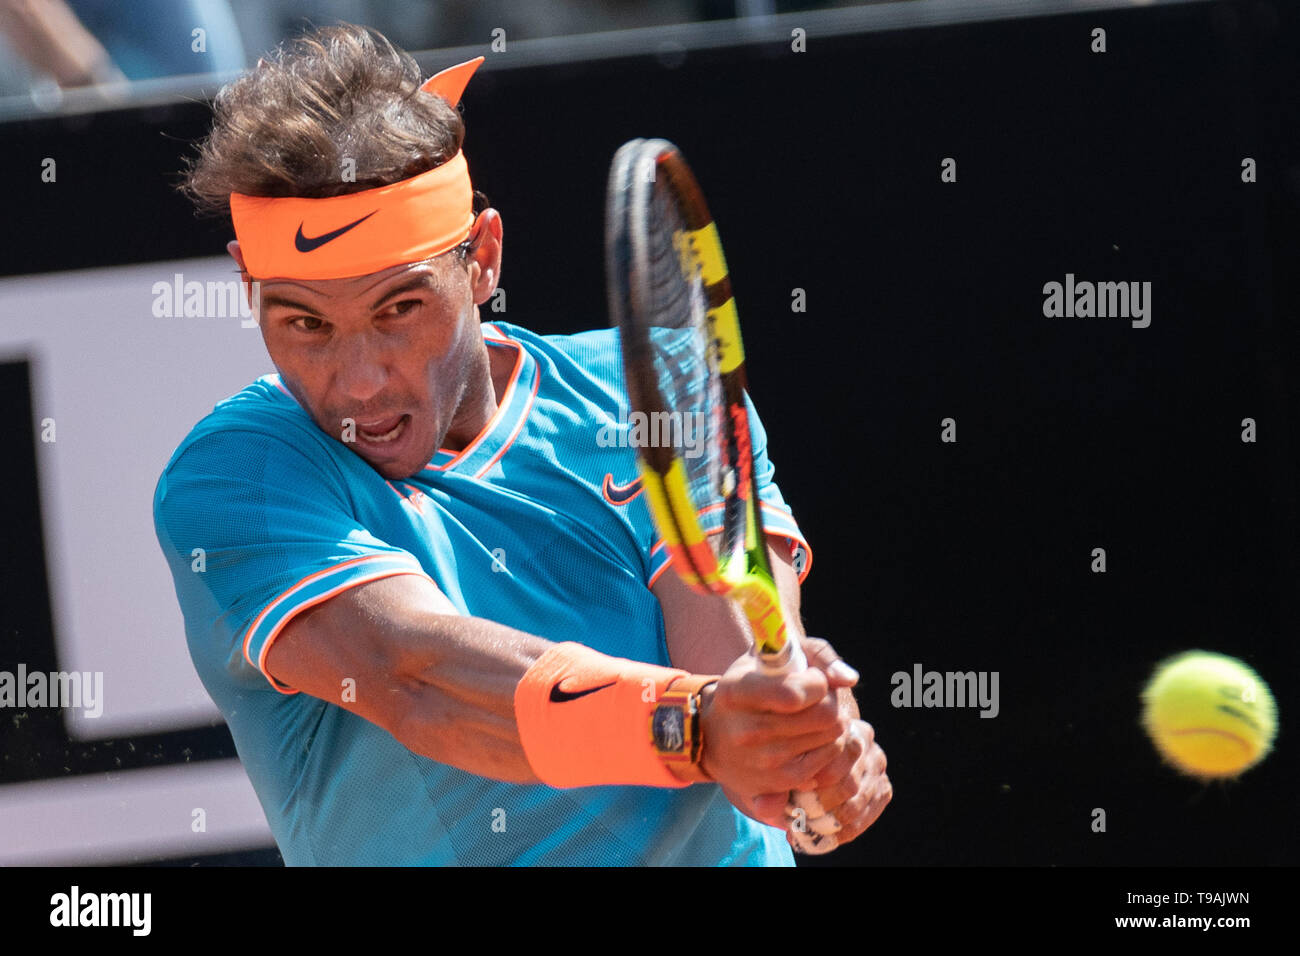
point(675, 724)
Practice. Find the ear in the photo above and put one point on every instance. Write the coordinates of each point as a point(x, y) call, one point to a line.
point(485, 255)
point(232, 247)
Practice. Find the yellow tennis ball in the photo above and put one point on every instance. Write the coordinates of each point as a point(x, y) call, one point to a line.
point(1209, 714)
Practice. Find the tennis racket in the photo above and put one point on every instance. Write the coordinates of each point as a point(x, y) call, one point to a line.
point(670, 294)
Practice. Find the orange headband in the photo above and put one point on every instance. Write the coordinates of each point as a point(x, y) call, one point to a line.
point(363, 232)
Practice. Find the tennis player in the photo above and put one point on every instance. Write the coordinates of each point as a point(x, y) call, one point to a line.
point(430, 602)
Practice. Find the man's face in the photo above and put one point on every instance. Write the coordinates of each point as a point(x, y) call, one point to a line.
point(391, 362)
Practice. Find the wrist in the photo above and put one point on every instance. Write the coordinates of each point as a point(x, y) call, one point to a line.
point(706, 705)
point(584, 718)
point(677, 727)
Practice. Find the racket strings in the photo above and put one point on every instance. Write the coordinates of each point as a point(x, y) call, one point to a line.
point(684, 354)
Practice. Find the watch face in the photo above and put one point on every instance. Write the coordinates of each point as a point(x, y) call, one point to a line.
point(670, 729)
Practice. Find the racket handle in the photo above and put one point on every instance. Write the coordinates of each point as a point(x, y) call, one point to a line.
point(812, 830)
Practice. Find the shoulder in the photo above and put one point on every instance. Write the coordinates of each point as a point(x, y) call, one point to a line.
point(258, 432)
point(590, 363)
point(597, 350)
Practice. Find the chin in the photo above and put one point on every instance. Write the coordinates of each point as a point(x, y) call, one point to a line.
point(395, 469)
point(405, 467)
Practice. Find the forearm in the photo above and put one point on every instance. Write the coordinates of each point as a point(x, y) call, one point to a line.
point(787, 584)
point(706, 633)
point(459, 684)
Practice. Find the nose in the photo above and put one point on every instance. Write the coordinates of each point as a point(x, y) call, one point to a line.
point(362, 369)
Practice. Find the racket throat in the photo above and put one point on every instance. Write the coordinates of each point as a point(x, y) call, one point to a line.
point(762, 606)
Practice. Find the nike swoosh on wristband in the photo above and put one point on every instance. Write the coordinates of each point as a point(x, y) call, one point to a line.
point(560, 696)
point(305, 244)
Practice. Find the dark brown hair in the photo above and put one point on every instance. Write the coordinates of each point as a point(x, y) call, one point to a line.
point(338, 93)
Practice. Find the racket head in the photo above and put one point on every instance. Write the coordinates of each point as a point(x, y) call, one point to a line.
point(684, 364)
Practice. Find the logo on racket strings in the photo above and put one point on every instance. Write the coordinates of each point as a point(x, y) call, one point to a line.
point(688, 256)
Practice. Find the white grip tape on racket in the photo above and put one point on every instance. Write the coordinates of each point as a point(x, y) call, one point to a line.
point(811, 829)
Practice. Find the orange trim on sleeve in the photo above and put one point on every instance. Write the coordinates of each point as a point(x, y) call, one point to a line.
point(260, 663)
point(771, 533)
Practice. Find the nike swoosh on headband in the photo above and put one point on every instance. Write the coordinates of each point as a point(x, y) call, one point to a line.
point(304, 244)
point(425, 215)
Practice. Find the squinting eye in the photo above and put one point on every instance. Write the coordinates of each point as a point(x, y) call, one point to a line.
point(406, 306)
point(309, 323)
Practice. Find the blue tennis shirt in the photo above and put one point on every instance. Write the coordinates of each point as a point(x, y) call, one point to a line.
point(537, 524)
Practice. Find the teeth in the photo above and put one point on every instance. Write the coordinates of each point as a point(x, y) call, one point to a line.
point(387, 436)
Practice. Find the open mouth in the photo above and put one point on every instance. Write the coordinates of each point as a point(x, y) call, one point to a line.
point(383, 431)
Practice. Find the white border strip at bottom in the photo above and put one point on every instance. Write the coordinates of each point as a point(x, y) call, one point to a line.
point(136, 816)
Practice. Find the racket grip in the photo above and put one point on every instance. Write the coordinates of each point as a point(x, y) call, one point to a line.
point(811, 830)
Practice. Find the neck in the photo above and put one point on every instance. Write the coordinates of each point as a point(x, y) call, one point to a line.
point(482, 396)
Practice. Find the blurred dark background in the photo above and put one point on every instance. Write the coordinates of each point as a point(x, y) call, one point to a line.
point(924, 302)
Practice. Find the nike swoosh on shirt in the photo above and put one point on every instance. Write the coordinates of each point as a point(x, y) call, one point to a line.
point(308, 243)
point(621, 494)
point(560, 696)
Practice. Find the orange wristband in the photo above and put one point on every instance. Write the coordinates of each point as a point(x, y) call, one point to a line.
point(584, 719)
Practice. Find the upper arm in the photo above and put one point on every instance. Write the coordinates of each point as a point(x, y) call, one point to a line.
point(258, 531)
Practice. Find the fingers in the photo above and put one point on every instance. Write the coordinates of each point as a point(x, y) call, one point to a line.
point(821, 656)
point(862, 811)
point(771, 732)
point(784, 766)
point(820, 724)
point(857, 801)
point(855, 798)
point(837, 788)
point(779, 706)
point(806, 766)
point(780, 693)
point(835, 783)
